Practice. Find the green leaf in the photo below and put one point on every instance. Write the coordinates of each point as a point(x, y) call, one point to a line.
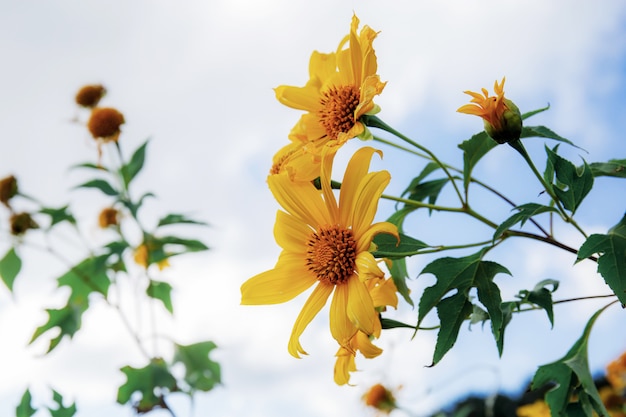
point(88, 276)
point(394, 324)
point(612, 261)
point(541, 296)
point(387, 246)
point(151, 382)
point(58, 215)
point(134, 166)
point(191, 245)
point(201, 373)
point(25, 409)
point(161, 291)
point(91, 165)
point(612, 168)
point(524, 212)
point(61, 410)
point(428, 169)
point(101, 185)
point(533, 112)
point(473, 150)
point(462, 274)
point(399, 274)
point(178, 219)
point(67, 319)
point(428, 190)
point(452, 312)
point(571, 375)
point(544, 132)
point(10, 266)
point(576, 184)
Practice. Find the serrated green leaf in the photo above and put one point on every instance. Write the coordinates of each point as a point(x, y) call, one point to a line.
point(399, 274)
point(178, 219)
point(129, 171)
point(427, 190)
point(544, 132)
point(427, 170)
point(58, 215)
point(10, 266)
point(24, 408)
point(577, 183)
point(452, 312)
point(152, 382)
point(387, 246)
point(101, 185)
point(61, 410)
point(67, 319)
point(612, 168)
point(201, 373)
point(542, 296)
point(473, 150)
point(462, 274)
point(524, 212)
point(612, 261)
point(161, 291)
point(571, 374)
point(533, 112)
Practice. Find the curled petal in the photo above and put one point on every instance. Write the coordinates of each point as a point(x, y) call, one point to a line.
point(367, 267)
point(365, 345)
point(366, 204)
point(343, 366)
point(341, 327)
point(365, 239)
point(361, 310)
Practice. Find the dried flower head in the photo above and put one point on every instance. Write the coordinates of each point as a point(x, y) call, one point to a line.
point(90, 95)
point(108, 217)
point(105, 123)
point(616, 373)
point(8, 189)
point(21, 222)
point(380, 398)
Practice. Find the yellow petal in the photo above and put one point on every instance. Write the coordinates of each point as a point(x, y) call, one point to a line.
point(328, 155)
point(365, 345)
point(371, 87)
point(291, 233)
point(471, 109)
point(322, 66)
point(367, 267)
point(313, 305)
point(366, 203)
point(341, 327)
point(276, 285)
point(343, 366)
point(357, 168)
point(299, 199)
point(385, 294)
point(300, 98)
point(360, 309)
point(365, 239)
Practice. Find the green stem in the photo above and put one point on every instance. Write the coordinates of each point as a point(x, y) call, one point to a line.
point(519, 147)
point(373, 121)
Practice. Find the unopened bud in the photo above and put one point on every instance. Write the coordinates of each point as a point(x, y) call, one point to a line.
point(90, 95)
point(22, 222)
point(8, 189)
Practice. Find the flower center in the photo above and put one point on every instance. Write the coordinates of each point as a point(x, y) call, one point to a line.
point(332, 254)
point(338, 106)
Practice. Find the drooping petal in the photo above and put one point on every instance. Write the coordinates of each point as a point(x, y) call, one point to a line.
point(385, 294)
point(341, 327)
point(360, 309)
point(343, 366)
point(299, 199)
point(278, 285)
point(367, 268)
point(365, 345)
point(313, 305)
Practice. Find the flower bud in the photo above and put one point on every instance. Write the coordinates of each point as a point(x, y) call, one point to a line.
point(21, 222)
point(90, 95)
point(501, 117)
point(8, 189)
point(105, 123)
point(380, 398)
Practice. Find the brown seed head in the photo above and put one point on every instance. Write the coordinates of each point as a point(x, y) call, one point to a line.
point(21, 222)
point(8, 189)
point(108, 217)
point(105, 123)
point(90, 95)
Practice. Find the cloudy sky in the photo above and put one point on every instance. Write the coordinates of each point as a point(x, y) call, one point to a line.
point(197, 77)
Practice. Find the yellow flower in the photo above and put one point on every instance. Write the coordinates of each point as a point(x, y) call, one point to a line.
point(616, 373)
point(501, 117)
point(326, 242)
point(142, 257)
point(380, 398)
point(537, 409)
point(341, 89)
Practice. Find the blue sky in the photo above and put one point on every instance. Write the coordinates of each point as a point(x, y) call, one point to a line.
point(197, 77)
